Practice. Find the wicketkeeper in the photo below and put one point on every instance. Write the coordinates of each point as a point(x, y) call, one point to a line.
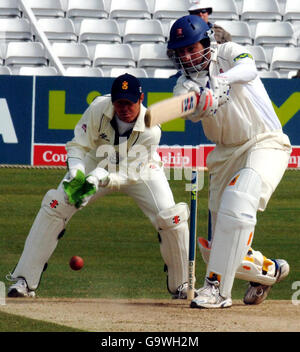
point(112, 150)
point(248, 162)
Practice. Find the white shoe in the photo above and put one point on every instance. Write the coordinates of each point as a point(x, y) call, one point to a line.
point(181, 292)
point(209, 296)
point(257, 293)
point(20, 289)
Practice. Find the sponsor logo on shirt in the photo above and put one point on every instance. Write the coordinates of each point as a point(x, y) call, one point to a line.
point(243, 56)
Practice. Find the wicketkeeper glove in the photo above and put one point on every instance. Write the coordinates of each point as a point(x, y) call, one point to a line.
point(73, 185)
point(98, 177)
point(74, 164)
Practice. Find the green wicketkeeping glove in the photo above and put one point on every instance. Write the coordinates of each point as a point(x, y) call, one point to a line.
point(98, 177)
point(89, 188)
point(73, 188)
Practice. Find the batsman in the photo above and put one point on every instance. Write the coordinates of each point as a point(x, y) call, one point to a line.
point(112, 150)
point(245, 167)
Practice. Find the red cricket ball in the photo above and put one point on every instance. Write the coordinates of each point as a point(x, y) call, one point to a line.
point(76, 262)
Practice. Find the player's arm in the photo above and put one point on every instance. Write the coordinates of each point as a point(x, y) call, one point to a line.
point(242, 65)
point(208, 99)
point(85, 136)
point(137, 159)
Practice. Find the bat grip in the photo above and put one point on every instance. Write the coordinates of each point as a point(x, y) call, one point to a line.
point(197, 100)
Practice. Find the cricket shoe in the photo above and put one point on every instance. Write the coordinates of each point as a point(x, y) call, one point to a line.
point(209, 296)
point(256, 293)
point(181, 292)
point(20, 289)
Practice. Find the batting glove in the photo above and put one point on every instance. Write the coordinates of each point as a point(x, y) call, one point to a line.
point(98, 177)
point(207, 105)
point(221, 88)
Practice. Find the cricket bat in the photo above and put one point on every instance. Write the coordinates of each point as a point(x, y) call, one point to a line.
point(170, 109)
point(193, 233)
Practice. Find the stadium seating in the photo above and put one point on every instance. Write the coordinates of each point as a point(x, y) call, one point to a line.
point(274, 33)
point(95, 31)
point(25, 53)
point(268, 74)
point(137, 72)
point(46, 8)
point(296, 27)
point(259, 56)
point(72, 54)
point(108, 56)
point(260, 10)
point(64, 4)
point(84, 72)
point(15, 29)
point(292, 73)
point(285, 59)
point(4, 70)
point(9, 8)
point(129, 9)
point(151, 4)
point(224, 10)
point(291, 11)
point(153, 56)
point(240, 31)
point(58, 29)
point(137, 32)
point(78, 10)
point(170, 9)
point(141, 31)
point(2, 56)
point(239, 5)
point(167, 10)
point(38, 71)
point(255, 11)
point(86, 9)
point(163, 73)
point(124, 10)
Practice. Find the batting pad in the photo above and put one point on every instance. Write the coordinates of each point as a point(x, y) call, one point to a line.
point(174, 245)
point(43, 237)
point(236, 220)
point(255, 266)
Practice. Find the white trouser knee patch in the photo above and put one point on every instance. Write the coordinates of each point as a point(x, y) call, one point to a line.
point(174, 245)
point(43, 237)
point(234, 229)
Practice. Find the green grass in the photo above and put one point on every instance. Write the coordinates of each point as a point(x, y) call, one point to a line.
point(14, 323)
point(119, 245)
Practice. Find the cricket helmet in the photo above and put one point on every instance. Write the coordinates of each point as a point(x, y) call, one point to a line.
point(188, 30)
point(185, 32)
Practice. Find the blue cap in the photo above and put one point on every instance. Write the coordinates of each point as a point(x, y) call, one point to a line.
point(126, 87)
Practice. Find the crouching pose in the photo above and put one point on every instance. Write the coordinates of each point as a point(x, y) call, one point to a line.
point(248, 162)
point(112, 150)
